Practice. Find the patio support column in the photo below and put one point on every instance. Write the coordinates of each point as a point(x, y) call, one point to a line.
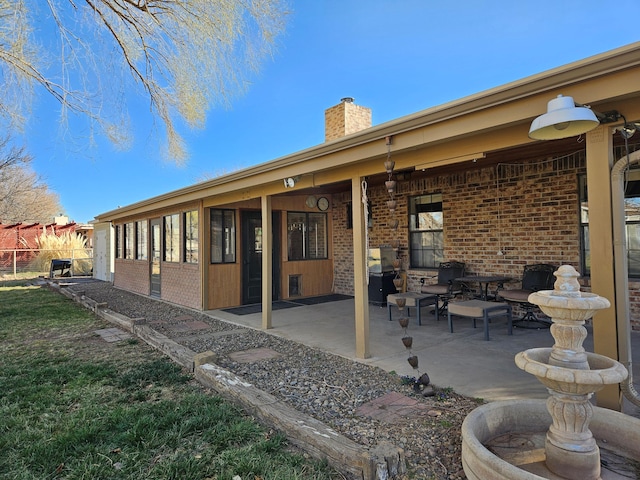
point(599, 163)
point(267, 262)
point(361, 292)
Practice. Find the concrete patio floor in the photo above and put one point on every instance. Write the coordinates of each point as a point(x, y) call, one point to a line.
point(462, 360)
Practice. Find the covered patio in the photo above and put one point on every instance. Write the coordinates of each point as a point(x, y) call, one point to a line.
point(462, 360)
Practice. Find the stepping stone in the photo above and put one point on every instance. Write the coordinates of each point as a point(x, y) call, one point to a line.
point(391, 407)
point(157, 322)
point(253, 355)
point(113, 334)
point(188, 326)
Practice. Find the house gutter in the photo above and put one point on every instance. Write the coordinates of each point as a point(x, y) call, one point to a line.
point(596, 66)
point(621, 272)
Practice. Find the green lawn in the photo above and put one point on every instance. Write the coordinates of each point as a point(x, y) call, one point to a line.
point(73, 406)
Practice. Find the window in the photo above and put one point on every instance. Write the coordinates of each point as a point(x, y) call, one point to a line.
point(426, 237)
point(585, 248)
point(307, 235)
point(141, 240)
point(118, 241)
point(129, 239)
point(223, 236)
point(191, 236)
point(632, 223)
point(172, 238)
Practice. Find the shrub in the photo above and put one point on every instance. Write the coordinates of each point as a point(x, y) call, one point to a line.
point(69, 246)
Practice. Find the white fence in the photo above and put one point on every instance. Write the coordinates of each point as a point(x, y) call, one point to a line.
point(32, 263)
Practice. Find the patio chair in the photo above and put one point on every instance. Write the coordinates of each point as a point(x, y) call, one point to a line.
point(446, 287)
point(534, 278)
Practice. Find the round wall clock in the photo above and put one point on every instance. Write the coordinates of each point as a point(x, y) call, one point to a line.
point(323, 204)
point(311, 201)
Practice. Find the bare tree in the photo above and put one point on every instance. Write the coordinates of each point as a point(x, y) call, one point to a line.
point(91, 55)
point(24, 197)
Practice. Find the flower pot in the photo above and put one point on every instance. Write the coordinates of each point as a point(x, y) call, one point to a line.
point(401, 302)
point(391, 186)
point(424, 379)
point(407, 341)
point(404, 322)
point(413, 361)
point(392, 204)
point(398, 282)
point(388, 165)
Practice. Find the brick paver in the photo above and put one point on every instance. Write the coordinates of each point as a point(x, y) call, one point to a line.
point(391, 407)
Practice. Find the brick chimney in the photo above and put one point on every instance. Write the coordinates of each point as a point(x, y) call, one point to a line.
point(344, 119)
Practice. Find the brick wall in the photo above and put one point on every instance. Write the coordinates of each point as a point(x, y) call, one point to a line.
point(528, 211)
point(180, 281)
point(342, 245)
point(634, 304)
point(181, 284)
point(132, 275)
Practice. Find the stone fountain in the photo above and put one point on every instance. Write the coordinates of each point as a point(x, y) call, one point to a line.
point(561, 438)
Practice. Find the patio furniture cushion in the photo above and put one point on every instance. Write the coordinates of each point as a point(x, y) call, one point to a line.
point(481, 309)
point(446, 286)
point(414, 299)
point(471, 308)
point(435, 289)
point(535, 277)
point(516, 295)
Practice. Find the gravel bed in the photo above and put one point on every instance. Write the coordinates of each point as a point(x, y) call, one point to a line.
point(327, 387)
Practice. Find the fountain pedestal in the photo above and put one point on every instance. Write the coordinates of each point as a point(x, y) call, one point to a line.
point(571, 451)
point(571, 376)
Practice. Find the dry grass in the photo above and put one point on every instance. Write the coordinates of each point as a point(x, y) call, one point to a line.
point(69, 246)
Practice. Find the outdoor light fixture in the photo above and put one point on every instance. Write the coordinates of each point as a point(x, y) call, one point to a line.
point(290, 182)
point(563, 119)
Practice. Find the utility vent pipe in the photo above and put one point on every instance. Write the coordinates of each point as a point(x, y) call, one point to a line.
point(621, 273)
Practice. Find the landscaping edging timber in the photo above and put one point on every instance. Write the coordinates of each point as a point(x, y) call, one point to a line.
point(384, 461)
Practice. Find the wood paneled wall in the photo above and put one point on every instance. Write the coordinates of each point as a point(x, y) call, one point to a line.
point(225, 285)
point(316, 277)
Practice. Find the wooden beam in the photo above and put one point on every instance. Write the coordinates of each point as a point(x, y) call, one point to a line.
point(360, 280)
point(599, 163)
point(267, 262)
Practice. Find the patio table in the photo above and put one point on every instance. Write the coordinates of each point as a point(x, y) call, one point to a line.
point(483, 282)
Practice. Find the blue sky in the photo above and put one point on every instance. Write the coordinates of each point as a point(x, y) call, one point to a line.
point(395, 57)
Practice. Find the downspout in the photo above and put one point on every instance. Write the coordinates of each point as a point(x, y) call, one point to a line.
point(621, 270)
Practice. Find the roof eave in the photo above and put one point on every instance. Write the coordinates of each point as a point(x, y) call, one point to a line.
point(598, 65)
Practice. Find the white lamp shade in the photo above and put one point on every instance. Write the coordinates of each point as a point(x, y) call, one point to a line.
point(563, 119)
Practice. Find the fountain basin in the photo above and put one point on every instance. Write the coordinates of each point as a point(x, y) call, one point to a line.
point(602, 371)
point(568, 306)
point(515, 430)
